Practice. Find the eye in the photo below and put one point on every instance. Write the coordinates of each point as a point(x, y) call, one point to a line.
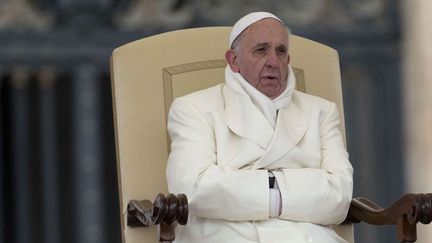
point(260, 50)
point(282, 51)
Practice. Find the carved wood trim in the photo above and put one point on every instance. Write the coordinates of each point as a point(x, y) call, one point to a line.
point(406, 212)
point(165, 212)
point(169, 72)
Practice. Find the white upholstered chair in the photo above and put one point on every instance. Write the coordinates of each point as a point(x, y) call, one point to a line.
point(147, 74)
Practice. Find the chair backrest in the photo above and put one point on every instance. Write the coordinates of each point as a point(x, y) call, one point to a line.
point(148, 73)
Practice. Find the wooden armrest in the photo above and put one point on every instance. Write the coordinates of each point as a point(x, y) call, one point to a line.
point(165, 212)
point(406, 212)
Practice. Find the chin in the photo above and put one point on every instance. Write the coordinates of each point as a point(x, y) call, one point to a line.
point(272, 95)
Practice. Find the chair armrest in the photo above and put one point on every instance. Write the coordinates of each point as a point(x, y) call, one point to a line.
point(406, 212)
point(165, 212)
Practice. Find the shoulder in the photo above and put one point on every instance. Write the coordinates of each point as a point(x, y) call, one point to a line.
point(304, 100)
point(325, 108)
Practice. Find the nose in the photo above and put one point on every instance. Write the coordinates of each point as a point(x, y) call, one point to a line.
point(272, 59)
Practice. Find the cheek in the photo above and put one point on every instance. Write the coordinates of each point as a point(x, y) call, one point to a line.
point(247, 66)
point(286, 70)
point(255, 69)
point(251, 68)
point(256, 65)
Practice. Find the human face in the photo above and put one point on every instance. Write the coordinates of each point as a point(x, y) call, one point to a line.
point(261, 56)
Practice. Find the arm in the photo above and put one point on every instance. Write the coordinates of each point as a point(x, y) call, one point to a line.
point(319, 195)
point(213, 191)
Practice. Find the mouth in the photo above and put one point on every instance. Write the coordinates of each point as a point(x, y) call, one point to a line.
point(270, 77)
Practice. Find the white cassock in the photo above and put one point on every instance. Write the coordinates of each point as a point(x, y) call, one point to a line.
point(223, 145)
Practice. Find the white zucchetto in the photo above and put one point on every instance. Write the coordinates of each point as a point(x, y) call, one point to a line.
point(246, 21)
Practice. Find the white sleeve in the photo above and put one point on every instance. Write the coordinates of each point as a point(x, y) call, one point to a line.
point(213, 191)
point(319, 195)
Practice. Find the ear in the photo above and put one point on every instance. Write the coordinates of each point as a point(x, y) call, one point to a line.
point(231, 58)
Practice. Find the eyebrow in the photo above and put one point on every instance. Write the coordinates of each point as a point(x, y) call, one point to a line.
point(266, 44)
point(259, 45)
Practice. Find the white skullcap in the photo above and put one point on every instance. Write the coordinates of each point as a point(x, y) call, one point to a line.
point(246, 21)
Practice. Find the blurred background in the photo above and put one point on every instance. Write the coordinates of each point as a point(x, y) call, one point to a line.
point(57, 154)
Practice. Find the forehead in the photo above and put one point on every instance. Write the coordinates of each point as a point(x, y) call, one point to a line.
point(266, 30)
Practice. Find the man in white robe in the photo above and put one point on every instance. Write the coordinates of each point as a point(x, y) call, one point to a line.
point(258, 160)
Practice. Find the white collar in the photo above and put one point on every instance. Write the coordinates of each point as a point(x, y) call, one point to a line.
point(263, 103)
